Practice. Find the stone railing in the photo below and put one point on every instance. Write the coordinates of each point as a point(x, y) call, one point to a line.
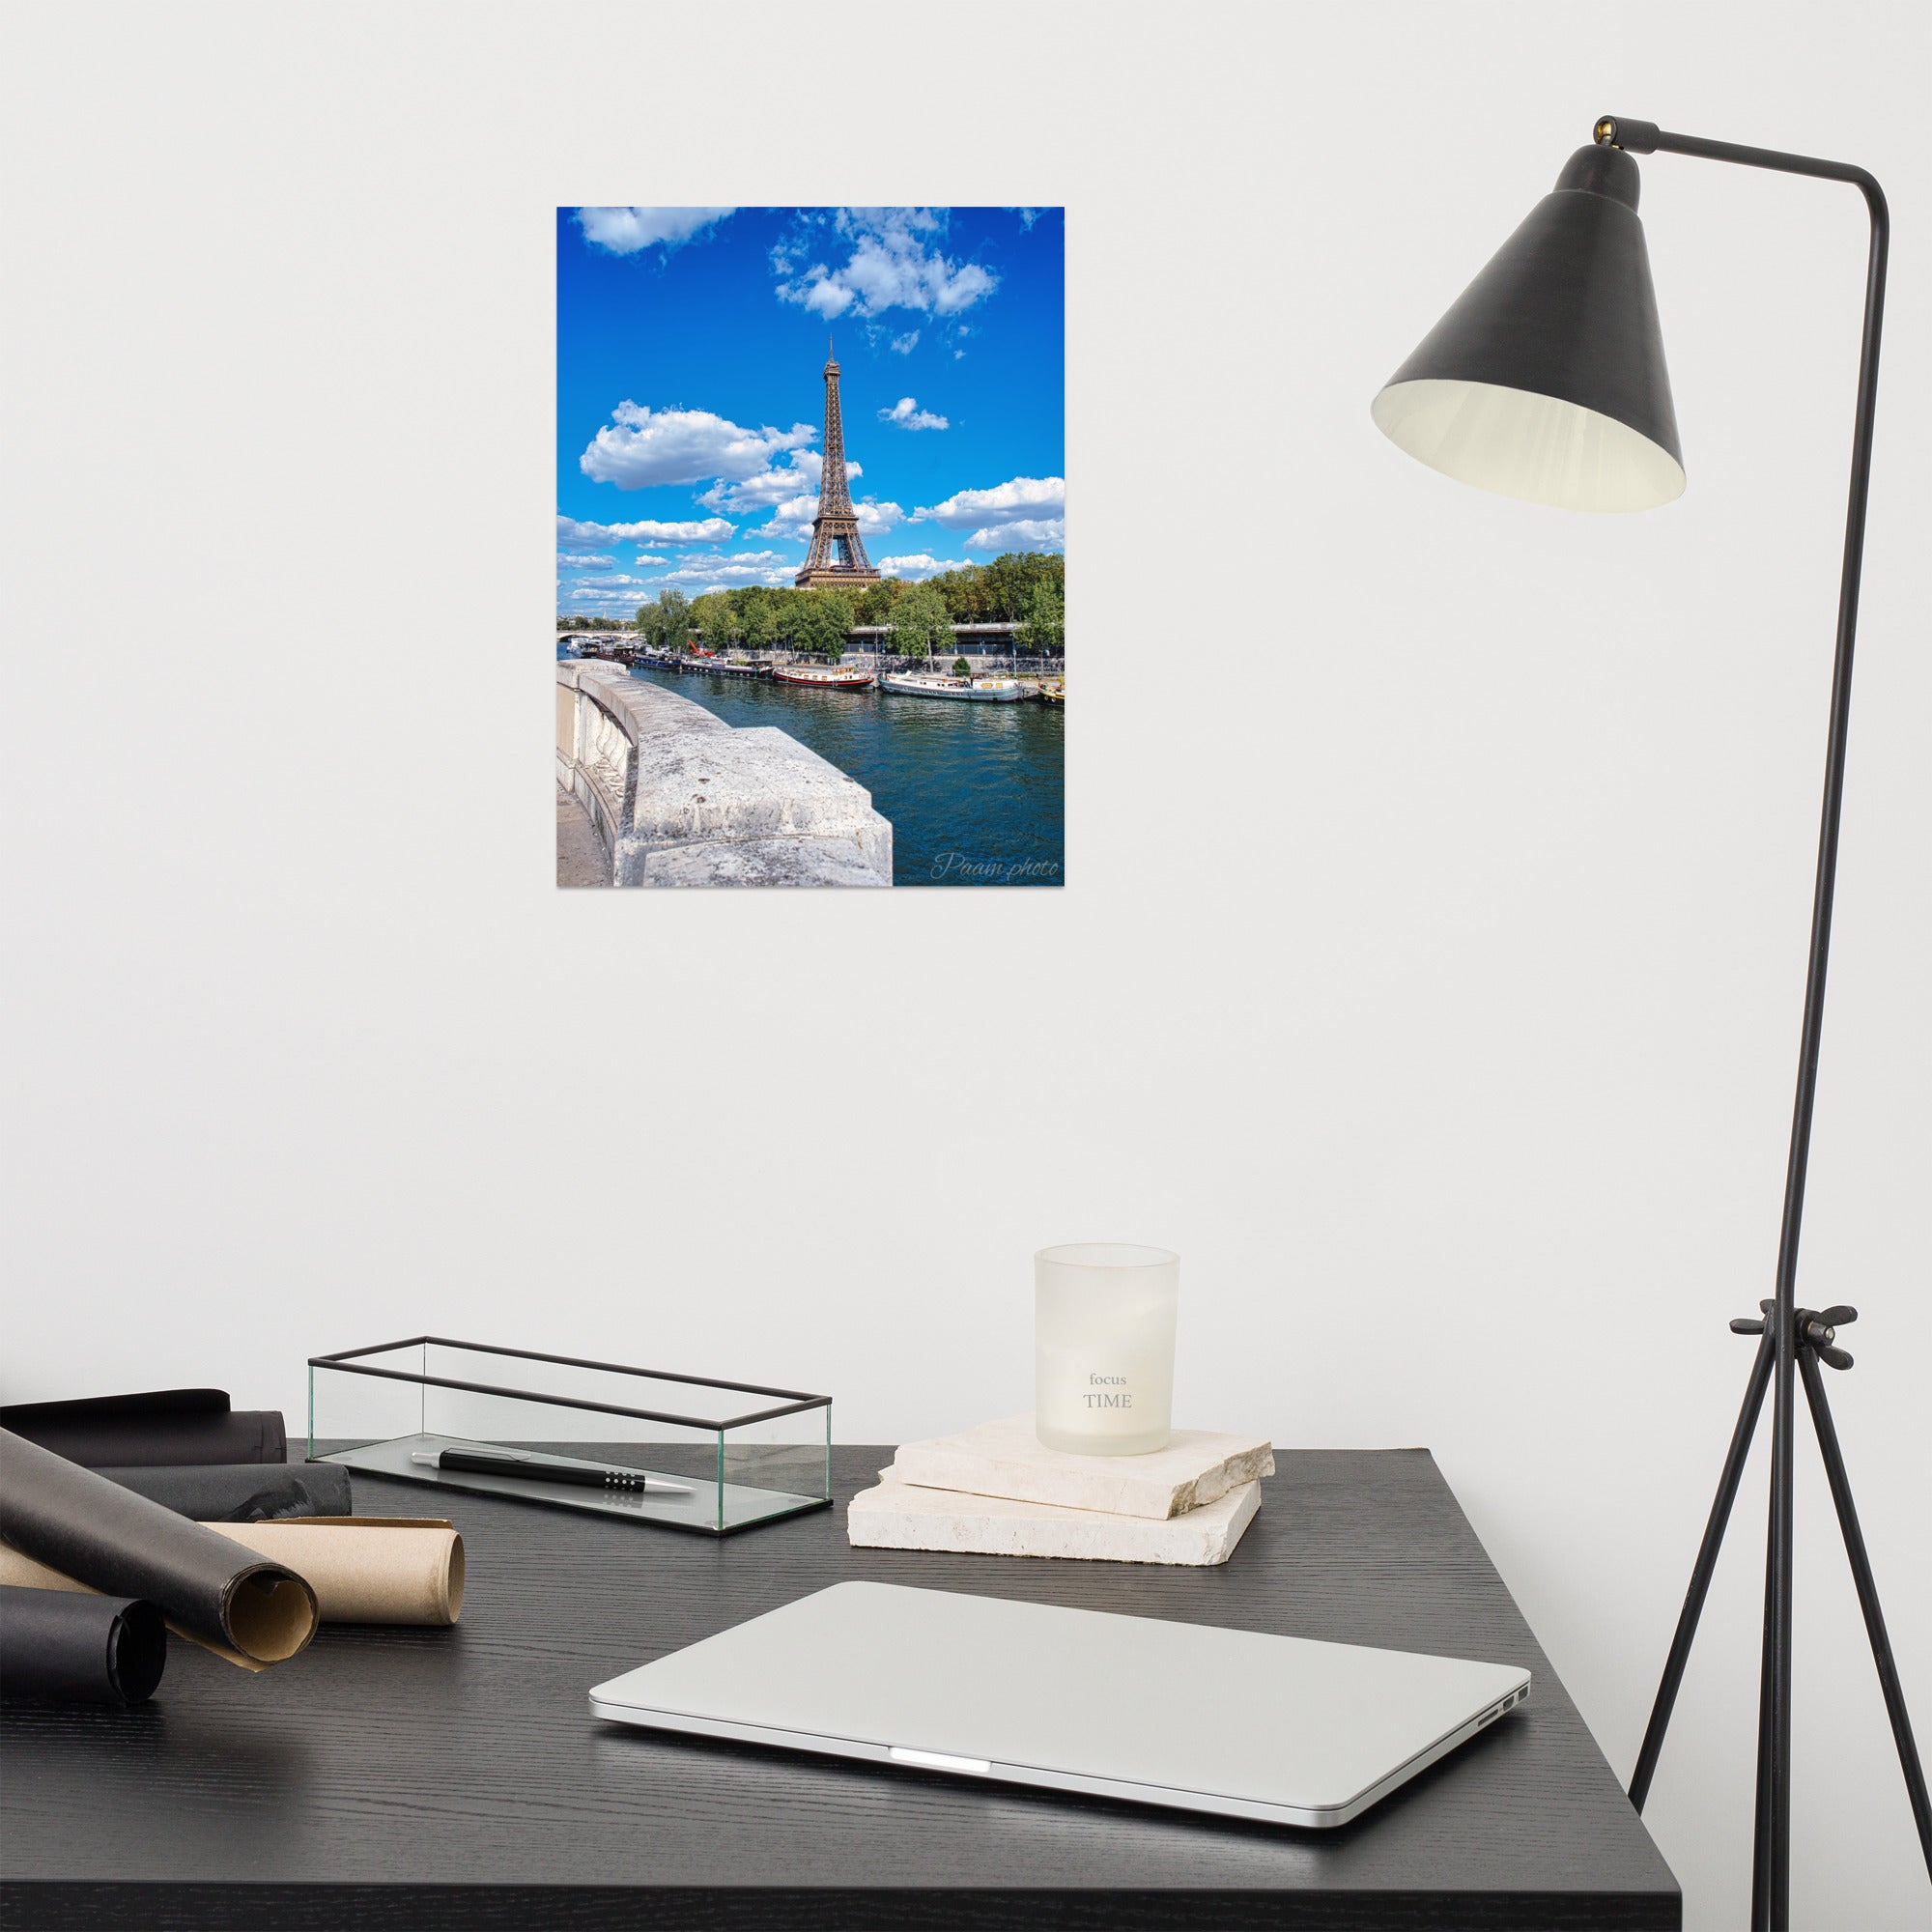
point(680, 798)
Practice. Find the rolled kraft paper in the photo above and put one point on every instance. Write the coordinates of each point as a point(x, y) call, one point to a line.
point(160, 1426)
point(363, 1569)
point(106, 1537)
point(241, 1491)
point(80, 1649)
point(367, 1570)
point(19, 1572)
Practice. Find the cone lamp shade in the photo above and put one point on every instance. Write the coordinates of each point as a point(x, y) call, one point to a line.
point(1546, 381)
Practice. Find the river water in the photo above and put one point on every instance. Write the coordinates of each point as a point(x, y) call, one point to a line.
point(976, 792)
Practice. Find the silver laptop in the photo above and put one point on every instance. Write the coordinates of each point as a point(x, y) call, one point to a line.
point(1279, 1728)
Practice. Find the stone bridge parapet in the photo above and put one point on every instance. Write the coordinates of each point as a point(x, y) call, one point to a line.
point(680, 798)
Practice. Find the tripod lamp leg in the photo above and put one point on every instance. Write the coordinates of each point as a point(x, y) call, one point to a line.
point(1762, 1826)
point(1778, 1637)
point(1867, 1588)
point(1701, 1573)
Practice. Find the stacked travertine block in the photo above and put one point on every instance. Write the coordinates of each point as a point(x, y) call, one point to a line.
point(996, 1491)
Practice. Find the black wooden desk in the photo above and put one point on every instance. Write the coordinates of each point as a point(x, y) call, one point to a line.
point(435, 1778)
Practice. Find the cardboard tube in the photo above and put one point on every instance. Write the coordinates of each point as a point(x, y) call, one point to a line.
point(363, 1568)
point(87, 1532)
point(19, 1571)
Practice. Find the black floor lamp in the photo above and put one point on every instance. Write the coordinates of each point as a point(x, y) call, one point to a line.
point(1547, 381)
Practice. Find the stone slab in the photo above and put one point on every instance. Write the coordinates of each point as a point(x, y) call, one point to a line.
point(901, 1516)
point(759, 862)
point(1006, 1459)
point(693, 800)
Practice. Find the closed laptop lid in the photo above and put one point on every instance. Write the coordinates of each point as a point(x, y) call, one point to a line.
point(1285, 1722)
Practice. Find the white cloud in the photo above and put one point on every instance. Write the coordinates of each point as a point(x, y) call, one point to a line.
point(639, 447)
point(967, 508)
point(641, 559)
point(826, 299)
point(889, 265)
point(791, 519)
point(565, 561)
point(722, 573)
point(794, 518)
point(713, 530)
point(875, 519)
point(602, 586)
point(1028, 533)
point(623, 230)
point(917, 566)
point(775, 486)
point(880, 338)
point(908, 414)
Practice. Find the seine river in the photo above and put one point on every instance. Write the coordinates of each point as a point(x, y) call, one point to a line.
point(976, 792)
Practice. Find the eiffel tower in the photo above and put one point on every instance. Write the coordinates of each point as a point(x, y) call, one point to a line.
point(836, 528)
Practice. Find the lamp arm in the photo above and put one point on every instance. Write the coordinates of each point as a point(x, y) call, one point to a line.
point(1646, 137)
point(1771, 1904)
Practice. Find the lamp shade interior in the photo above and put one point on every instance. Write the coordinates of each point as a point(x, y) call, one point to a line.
point(1518, 443)
point(1546, 378)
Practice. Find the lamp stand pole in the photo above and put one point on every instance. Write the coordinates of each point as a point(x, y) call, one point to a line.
point(1793, 1339)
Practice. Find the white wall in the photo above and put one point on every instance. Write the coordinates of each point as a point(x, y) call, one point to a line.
point(1434, 988)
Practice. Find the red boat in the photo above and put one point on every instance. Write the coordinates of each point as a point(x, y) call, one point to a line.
point(824, 677)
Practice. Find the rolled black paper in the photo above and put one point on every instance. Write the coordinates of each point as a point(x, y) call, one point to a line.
point(242, 1492)
point(118, 1543)
point(163, 1426)
point(78, 1649)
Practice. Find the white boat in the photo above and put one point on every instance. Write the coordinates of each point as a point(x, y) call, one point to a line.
point(976, 690)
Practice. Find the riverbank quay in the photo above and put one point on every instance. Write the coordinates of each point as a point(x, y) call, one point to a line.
point(678, 797)
point(763, 664)
point(1030, 672)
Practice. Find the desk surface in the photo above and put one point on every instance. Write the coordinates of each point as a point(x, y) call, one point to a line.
point(441, 1779)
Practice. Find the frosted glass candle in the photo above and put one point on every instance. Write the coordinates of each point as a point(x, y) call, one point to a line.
point(1103, 1346)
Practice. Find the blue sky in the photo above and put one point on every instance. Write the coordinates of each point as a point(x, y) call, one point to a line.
point(691, 346)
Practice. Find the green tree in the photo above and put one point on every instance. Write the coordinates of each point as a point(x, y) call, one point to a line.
point(757, 622)
point(1043, 634)
point(673, 618)
point(962, 592)
point(809, 627)
point(782, 606)
point(840, 613)
point(823, 618)
point(920, 623)
point(1003, 582)
point(719, 624)
point(961, 669)
point(875, 607)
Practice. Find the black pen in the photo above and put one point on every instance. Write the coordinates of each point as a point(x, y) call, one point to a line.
point(531, 1469)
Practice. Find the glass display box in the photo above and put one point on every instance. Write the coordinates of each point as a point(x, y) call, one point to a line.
point(683, 1452)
